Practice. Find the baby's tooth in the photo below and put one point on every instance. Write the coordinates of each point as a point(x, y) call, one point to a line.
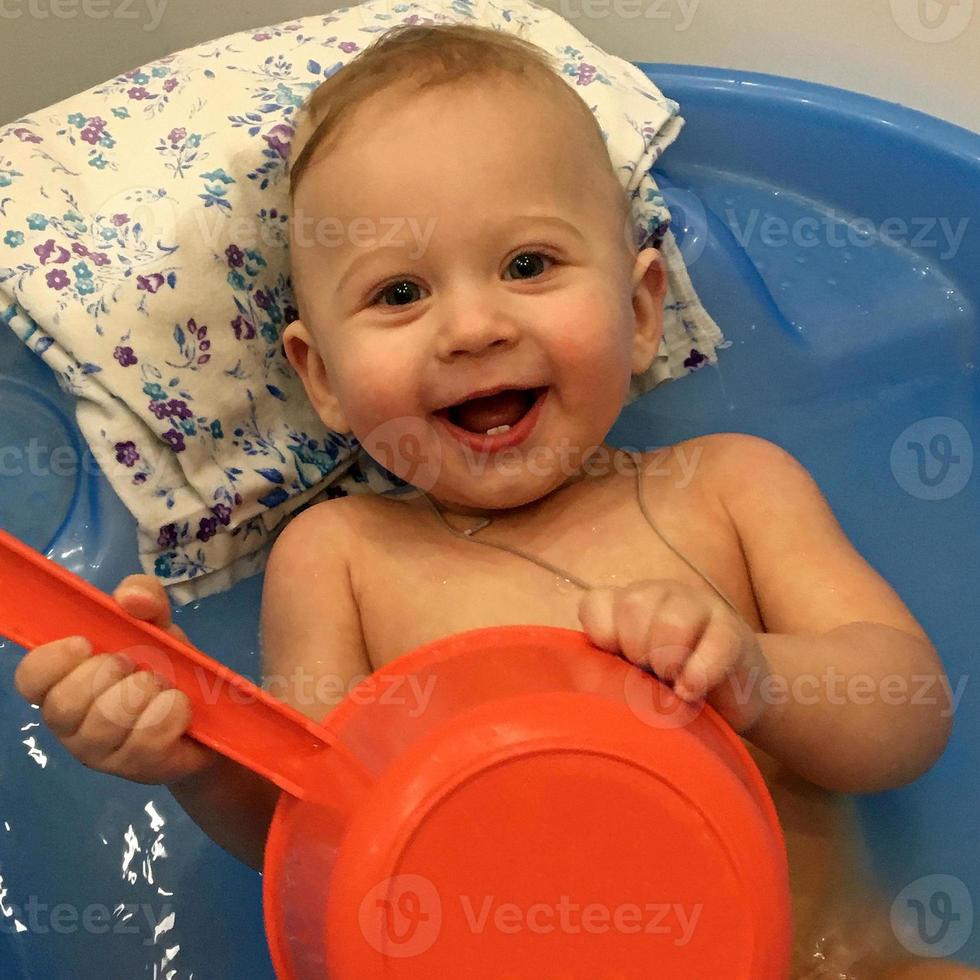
point(497, 429)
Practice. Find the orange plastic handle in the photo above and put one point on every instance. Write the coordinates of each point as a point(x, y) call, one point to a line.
point(41, 601)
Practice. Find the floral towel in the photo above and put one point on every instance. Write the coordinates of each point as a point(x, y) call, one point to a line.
point(130, 262)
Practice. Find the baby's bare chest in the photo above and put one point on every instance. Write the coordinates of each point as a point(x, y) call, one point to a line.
point(416, 582)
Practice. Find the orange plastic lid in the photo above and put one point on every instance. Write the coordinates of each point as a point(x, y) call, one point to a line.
point(550, 826)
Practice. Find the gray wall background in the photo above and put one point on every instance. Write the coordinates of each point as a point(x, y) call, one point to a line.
point(921, 53)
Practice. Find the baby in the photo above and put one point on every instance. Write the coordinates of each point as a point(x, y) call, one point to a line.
point(480, 346)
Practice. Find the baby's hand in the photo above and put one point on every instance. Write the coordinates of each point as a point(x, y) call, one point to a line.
point(109, 715)
point(687, 638)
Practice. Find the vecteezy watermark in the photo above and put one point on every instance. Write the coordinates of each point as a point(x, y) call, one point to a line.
point(654, 703)
point(410, 448)
point(933, 21)
point(91, 9)
point(402, 231)
point(147, 216)
point(411, 693)
point(38, 458)
point(932, 459)
point(673, 919)
point(402, 916)
point(679, 13)
point(933, 916)
point(837, 230)
point(39, 918)
point(688, 222)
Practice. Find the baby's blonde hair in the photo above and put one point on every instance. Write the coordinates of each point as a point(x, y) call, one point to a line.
point(426, 56)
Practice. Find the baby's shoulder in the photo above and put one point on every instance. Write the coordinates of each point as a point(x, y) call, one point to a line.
point(719, 460)
point(325, 529)
point(693, 468)
point(724, 474)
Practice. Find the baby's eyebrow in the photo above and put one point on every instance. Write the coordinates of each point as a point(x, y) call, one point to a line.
point(508, 226)
point(551, 219)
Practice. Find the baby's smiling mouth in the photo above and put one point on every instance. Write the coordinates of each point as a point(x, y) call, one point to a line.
point(491, 414)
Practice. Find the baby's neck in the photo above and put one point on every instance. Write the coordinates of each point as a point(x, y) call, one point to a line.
point(451, 509)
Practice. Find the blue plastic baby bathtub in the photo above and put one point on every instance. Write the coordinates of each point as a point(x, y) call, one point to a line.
point(835, 239)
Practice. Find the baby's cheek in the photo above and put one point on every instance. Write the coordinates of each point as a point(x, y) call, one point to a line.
point(598, 359)
point(384, 416)
point(372, 387)
point(598, 326)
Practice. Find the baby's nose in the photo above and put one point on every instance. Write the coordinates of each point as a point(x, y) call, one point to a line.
point(474, 332)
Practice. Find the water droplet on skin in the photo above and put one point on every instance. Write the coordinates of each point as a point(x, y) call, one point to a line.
point(564, 585)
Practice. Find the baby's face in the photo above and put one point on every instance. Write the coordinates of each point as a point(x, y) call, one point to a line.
point(459, 241)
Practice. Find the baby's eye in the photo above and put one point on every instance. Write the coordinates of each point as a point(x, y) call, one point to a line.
point(401, 290)
point(528, 264)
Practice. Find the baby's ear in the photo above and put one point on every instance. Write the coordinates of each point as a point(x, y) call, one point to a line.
point(303, 354)
point(649, 290)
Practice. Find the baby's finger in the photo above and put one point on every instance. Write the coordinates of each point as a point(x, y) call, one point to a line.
point(595, 612)
point(667, 660)
point(143, 597)
point(157, 742)
point(109, 721)
point(656, 627)
point(713, 658)
point(44, 666)
point(68, 702)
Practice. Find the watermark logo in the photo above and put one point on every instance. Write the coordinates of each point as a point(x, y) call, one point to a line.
point(679, 14)
point(933, 458)
point(401, 916)
point(142, 221)
point(63, 919)
point(149, 11)
point(688, 221)
point(673, 920)
point(933, 21)
point(654, 703)
point(834, 229)
point(933, 916)
point(408, 447)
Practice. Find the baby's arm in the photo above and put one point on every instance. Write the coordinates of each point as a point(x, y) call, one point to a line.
point(848, 708)
point(312, 653)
